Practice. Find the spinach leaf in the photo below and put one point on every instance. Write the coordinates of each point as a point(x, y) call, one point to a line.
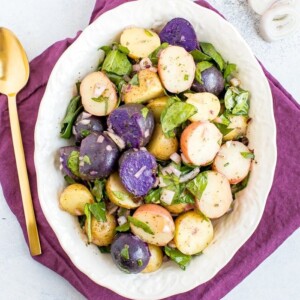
point(235, 188)
point(144, 112)
point(181, 259)
point(135, 80)
point(154, 55)
point(104, 249)
point(73, 162)
point(223, 128)
point(248, 155)
point(175, 113)
point(140, 224)
point(200, 67)
point(123, 228)
point(98, 189)
point(199, 56)
point(230, 68)
point(98, 210)
point(69, 180)
point(117, 62)
point(237, 101)
point(210, 50)
point(73, 110)
point(106, 49)
point(123, 49)
point(153, 196)
point(198, 185)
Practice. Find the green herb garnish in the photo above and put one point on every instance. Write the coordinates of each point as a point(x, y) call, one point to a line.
point(73, 162)
point(148, 32)
point(198, 185)
point(140, 224)
point(248, 155)
point(98, 210)
point(144, 112)
point(123, 228)
point(181, 259)
point(125, 252)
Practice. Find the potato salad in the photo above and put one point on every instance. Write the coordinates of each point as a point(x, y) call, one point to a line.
point(158, 147)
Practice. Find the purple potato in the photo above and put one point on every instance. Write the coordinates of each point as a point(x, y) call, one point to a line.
point(64, 155)
point(179, 32)
point(134, 123)
point(129, 253)
point(137, 171)
point(98, 156)
point(85, 124)
point(213, 82)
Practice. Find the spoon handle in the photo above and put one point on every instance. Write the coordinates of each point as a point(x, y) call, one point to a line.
point(33, 236)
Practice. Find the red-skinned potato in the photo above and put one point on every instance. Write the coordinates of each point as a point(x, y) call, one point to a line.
point(159, 221)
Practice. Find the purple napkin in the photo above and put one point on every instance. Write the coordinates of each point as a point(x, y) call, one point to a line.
point(281, 217)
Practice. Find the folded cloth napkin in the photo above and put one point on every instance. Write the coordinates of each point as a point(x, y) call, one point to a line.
point(280, 219)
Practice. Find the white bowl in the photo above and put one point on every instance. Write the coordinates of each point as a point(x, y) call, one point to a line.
point(234, 229)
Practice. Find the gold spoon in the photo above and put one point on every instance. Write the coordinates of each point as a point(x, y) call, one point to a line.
point(14, 73)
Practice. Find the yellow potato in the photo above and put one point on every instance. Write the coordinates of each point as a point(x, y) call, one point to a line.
point(178, 208)
point(149, 87)
point(239, 125)
point(160, 146)
point(117, 193)
point(157, 106)
point(207, 104)
point(139, 41)
point(103, 232)
point(156, 259)
point(74, 197)
point(193, 232)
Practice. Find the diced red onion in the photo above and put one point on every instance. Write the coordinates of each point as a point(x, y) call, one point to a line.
point(85, 115)
point(99, 89)
point(161, 182)
point(145, 63)
point(80, 158)
point(156, 182)
point(228, 144)
point(147, 133)
point(61, 159)
point(122, 220)
point(85, 122)
point(140, 172)
point(93, 173)
point(235, 82)
point(174, 171)
point(118, 140)
point(74, 131)
point(127, 88)
point(60, 167)
point(136, 68)
point(81, 164)
point(108, 147)
point(189, 176)
point(167, 196)
point(112, 208)
point(172, 244)
point(176, 158)
point(143, 149)
point(100, 139)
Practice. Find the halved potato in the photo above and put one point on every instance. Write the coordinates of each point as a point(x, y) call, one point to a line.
point(160, 146)
point(139, 41)
point(158, 220)
point(193, 232)
point(207, 104)
point(157, 106)
point(176, 69)
point(200, 142)
point(103, 232)
point(231, 163)
point(98, 94)
point(117, 193)
point(216, 199)
point(74, 197)
point(156, 259)
point(149, 88)
point(178, 208)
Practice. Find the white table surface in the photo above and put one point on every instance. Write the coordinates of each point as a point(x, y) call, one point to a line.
point(41, 23)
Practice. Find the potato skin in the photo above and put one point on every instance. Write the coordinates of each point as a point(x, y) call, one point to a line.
point(160, 146)
point(157, 106)
point(156, 259)
point(115, 185)
point(74, 197)
point(149, 87)
point(179, 208)
point(103, 232)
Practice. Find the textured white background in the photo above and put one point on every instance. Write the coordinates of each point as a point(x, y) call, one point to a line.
point(41, 23)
